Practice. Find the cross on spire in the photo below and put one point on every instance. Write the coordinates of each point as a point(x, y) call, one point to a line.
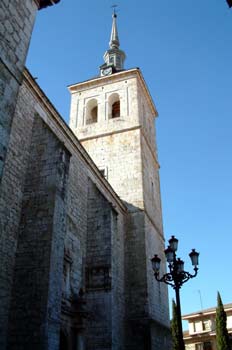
point(114, 9)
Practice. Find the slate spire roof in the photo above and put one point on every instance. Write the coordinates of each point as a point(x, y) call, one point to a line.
point(114, 56)
point(114, 39)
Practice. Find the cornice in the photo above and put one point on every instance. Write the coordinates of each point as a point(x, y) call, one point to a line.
point(106, 134)
point(100, 80)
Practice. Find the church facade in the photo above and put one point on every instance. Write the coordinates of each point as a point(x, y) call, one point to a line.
point(80, 214)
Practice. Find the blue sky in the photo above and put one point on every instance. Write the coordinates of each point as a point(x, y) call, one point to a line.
point(184, 50)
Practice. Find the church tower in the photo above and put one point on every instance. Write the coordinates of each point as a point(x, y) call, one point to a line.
point(113, 116)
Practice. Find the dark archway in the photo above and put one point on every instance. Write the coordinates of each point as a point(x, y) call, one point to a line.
point(63, 341)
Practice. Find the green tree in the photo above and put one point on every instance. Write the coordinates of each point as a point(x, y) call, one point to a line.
point(222, 336)
point(174, 327)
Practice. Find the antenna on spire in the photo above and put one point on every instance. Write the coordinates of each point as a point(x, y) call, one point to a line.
point(114, 9)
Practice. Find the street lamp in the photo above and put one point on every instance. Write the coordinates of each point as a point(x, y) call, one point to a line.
point(176, 276)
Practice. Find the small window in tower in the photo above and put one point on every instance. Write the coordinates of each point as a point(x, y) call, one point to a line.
point(116, 109)
point(114, 106)
point(92, 112)
point(118, 62)
point(104, 171)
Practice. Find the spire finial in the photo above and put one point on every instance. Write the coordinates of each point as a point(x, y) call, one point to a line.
point(114, 39)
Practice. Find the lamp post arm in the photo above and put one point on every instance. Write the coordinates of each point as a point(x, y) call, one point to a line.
point(166, 278)
point(184, 276)
point(176, 280)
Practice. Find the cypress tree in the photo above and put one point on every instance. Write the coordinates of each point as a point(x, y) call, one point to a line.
point(222, 336)
point(174, 327)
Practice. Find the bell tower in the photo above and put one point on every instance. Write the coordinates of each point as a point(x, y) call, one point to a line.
point(114, 116)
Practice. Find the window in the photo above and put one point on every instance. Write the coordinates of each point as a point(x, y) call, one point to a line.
point(104, 171)
point(66, 287)
point(198, 326)
point(94, 114)
point(91, 112)
point(118, 61)
point(114, 106)
point(203, 346)
point(206, 325)
point(116, 109)
point(207, 345)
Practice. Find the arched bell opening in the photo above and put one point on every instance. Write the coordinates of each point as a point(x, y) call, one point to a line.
point(92, 112)
point(114, 106)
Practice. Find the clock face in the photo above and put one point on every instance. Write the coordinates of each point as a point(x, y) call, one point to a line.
point(107, 71)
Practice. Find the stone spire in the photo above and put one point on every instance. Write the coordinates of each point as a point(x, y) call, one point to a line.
point(114, 57)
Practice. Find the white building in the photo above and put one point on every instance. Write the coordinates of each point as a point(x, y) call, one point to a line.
point(201, 333)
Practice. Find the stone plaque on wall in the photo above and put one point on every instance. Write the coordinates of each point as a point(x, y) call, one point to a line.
point(98, 277)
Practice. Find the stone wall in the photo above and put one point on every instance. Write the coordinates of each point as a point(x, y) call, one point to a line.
point(119, 154)
point(147, 120)
point(136, 326)
point(38, 134)
point(98, 271)
point(158, 309)
point(118, 229)
point(11, 195)
point(36, 293)
point(104, 279)
point(16, 23)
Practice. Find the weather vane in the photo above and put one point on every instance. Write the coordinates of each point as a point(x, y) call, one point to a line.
point(114, 8)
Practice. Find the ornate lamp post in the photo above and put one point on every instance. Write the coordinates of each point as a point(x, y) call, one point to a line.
point(176, 277)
